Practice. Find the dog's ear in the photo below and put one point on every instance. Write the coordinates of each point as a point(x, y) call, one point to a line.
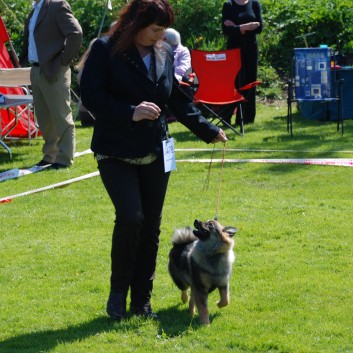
point(230, 230)
point(201, 234)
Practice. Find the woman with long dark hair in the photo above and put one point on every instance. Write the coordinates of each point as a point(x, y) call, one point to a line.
point(128, 84)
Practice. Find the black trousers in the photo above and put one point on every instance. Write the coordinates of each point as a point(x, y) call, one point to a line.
point(137, 192)
point(247, 74)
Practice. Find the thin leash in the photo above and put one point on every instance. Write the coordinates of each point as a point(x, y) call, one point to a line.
point(220, 180)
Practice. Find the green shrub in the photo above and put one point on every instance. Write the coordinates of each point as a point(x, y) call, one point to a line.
point(272, 87)
point(285, 24)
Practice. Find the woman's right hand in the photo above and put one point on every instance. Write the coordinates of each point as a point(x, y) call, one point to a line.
point(146, 110)
point(251, 26)
point(221, 137)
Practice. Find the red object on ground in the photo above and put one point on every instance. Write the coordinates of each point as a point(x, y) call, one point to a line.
point(21, 130)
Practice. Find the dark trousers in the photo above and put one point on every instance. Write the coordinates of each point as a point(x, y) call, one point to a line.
point(247, 74)
point(137, 193)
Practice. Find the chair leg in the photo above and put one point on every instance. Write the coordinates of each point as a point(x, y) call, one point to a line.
point(289, 118)
point(241, 120)
point(7, 148)
point(340, 118)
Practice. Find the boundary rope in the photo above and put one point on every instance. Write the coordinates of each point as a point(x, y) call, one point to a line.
point(49, 187)
point(342, 162)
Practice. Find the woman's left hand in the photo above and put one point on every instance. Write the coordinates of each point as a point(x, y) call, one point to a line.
point(229, 23)
point(221, 137)
point(146, 110)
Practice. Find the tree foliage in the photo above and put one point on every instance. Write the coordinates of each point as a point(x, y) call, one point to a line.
point(286, 23)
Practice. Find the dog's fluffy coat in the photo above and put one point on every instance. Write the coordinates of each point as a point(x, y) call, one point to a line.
point(202, 259)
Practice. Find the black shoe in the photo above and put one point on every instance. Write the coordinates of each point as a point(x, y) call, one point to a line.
point(145, 311)
point(59, 166)
point(116, 306)
point(43, 163)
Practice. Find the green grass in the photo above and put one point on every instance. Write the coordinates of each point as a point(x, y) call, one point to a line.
point(292, 285)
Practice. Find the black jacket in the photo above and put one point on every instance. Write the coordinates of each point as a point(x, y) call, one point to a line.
point(241, 14)
point(111, 88)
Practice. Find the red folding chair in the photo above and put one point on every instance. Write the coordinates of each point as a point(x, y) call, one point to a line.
point(216, 72)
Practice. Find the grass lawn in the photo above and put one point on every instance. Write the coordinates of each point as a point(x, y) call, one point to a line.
point(292, 285)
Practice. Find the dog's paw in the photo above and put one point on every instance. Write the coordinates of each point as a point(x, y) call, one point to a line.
point(184, 296)
point(204, 318)
point(223, 303)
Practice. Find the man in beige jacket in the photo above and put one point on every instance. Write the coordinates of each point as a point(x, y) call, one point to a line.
point(52, 38)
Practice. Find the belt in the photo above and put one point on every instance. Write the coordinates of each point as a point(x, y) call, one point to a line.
point(34, 64)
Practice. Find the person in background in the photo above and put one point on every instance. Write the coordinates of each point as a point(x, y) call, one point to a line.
point(52, 38)
point(241, 22)
point(182, 58)
point(128, 84)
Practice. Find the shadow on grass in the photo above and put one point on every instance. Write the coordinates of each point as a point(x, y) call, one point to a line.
point(176, 320)
point(46, 340)
point(173, 321)
point(313, 125)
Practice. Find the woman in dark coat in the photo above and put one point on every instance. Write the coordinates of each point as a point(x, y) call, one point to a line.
point(241, 22)
point(128, 84)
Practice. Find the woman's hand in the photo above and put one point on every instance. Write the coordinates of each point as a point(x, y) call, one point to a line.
point(146, 110)
point(221, 137)
point(229, 23)
point(251, 26)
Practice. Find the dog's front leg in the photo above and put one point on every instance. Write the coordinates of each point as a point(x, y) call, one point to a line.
point(192, 303)
point(184, 296)
point(202, 306)
point(224, 294)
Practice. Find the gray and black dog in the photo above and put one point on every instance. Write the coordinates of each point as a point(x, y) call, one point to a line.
point(201, 259)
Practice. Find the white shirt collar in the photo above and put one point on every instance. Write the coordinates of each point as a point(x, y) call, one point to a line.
point(34, 3)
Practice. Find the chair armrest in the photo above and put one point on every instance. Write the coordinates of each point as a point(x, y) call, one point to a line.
point(250, 85)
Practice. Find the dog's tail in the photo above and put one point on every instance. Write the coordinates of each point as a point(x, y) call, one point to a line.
point(183, 236)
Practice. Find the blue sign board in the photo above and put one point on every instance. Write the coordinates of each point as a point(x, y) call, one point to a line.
point(312, 73)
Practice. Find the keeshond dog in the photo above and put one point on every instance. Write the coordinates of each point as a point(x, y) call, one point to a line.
point(201, 259)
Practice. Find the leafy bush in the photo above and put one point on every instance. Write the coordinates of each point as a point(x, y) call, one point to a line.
point(272, 87)
point(286, 24)
point(199, 17)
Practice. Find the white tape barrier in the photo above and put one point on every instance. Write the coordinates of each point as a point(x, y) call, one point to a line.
point(50, 187)
point(345, 162)
point(254, 150)
point(16, 173)
point(79, 154)
point(342, 162)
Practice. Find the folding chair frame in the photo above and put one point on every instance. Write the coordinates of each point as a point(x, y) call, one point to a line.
point(221, 120)
point(22, 103)
point(233, 96)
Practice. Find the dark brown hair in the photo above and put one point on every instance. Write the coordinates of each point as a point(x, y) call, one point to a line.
point(135, 16)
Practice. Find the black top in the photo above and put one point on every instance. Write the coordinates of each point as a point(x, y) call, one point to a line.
point(241, 14)
point(111, 88)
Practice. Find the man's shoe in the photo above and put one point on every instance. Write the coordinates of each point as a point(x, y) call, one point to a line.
point(43, 163)
point(59, 166)
point(116, 306)
point(145, 311)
